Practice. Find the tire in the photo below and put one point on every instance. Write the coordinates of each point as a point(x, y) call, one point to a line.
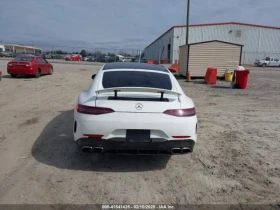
point(38, 73)
point(13, 75)
point(51, 71)
point(264, 65)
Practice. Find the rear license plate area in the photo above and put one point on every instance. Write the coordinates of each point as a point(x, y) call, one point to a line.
point(138, 135)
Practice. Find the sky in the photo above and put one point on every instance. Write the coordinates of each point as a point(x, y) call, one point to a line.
point(118, 24)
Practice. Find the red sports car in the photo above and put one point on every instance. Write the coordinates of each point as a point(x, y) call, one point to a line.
point(73, 58)
point(29, 65)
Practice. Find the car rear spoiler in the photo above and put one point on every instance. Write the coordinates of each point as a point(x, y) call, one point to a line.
point(138, 89)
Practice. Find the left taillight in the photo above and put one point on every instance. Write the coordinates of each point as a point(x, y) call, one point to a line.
point(181, 112)
point(93, 110)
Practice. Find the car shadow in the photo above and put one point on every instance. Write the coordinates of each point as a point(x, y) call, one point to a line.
point(222, 87)
point(22, 76)
point(198, 81)
point(55, 146)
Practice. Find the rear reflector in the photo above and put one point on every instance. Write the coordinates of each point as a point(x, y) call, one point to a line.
point(181, 137)
point(93, 110)
point(94, 135)
point(181, 112)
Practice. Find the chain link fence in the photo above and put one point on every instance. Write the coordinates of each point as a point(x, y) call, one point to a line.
point(60, 52)
point(160, 56)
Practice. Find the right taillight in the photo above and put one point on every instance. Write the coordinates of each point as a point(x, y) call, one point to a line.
point(93, 110)
point(181, 112)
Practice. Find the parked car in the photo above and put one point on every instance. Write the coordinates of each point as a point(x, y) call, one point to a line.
point(143, 60)
point(268, 61)
point(29, 65)
point(156, 115)
point(101, 59)
point(113, 59)
point(86, 58)
point(48, 56)
point(5, 54)
point(127, 60)
point(91, 59)
point(73, 58)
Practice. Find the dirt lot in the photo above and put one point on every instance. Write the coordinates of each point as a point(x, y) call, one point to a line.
point(236, 159)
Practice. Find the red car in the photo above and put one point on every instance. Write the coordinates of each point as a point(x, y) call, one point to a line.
point(29, 65)
point(73, 58)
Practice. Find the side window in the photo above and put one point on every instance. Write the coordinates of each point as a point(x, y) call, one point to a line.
point(275, 59)
point(271, 59)
point(39, 60)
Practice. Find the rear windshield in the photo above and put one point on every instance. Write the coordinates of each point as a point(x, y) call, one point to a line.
point(136, 79)
point(22, 58)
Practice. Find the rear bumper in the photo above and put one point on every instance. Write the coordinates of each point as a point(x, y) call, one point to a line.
point(21, 71)
point(114, 125)
point(123, 146)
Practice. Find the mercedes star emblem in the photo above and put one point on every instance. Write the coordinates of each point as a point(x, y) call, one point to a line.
point(138, 106)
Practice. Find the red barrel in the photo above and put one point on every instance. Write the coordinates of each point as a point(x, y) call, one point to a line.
point(242, 78)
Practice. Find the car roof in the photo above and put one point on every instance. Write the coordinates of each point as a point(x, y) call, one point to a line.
point(109, 66)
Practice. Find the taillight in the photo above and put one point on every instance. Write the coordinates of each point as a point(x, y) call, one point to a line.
point(93, 110)
point(94, 135)
point(181, 112)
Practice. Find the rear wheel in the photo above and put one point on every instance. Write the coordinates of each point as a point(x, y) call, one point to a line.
point(13, 75)
point(51, 71)
point(38, 73)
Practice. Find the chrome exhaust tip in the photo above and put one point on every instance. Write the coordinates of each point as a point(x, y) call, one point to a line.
point(175, 150)
point(182, 150)
point(185, 150)
point(86, 148)
point(97, 149)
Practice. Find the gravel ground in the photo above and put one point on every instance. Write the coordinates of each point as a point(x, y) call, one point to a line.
point(236, 158)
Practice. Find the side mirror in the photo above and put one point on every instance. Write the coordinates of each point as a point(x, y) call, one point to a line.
point(93, 76)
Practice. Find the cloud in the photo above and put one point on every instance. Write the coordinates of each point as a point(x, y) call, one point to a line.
point(119, 23)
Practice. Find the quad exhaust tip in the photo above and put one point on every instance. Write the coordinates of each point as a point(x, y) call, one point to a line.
point(92, 149)
point(181, 150)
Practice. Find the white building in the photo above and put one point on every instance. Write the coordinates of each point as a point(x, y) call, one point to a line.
point(15, 48)
point(259, 41)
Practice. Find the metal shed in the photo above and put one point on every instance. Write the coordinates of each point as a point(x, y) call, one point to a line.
point(197, 57)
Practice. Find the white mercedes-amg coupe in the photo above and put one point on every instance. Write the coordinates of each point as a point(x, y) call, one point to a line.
point(135, 108)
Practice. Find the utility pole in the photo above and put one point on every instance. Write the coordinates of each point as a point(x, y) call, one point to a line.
point(187, 32)
point(188, 22)
point(140, 56)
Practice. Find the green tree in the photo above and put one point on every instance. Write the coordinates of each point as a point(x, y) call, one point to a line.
point(83, 53)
